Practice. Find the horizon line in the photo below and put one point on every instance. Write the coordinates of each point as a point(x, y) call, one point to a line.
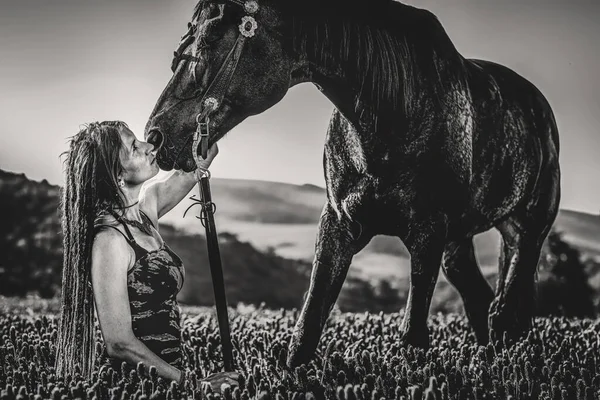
point(261, 180)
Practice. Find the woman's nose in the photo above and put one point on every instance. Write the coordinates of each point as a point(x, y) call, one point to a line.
point(155, 138)
point(150, 148)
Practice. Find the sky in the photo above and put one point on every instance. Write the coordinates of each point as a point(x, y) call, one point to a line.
point(67, 62)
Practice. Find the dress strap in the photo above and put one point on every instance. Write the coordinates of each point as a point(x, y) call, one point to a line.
point(127, 230)
point(129, 240)
point(137, 249)
point(129, 235)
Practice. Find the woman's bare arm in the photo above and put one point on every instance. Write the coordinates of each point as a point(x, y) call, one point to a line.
point(111, 257)
point(159, 197)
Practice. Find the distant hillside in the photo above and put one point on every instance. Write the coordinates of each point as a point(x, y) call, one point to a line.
point(580, 229)
point(266, 258)
point(30, 237)
point(283, 218)
point(31, 257)
point(263, 202)
point(30, 240)
point(251, 276)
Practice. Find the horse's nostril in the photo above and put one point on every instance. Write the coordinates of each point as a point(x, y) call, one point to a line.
point(155, 138)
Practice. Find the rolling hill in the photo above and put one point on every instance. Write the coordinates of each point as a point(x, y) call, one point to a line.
point(283, 218)
point(31, 258)
point(267, 232)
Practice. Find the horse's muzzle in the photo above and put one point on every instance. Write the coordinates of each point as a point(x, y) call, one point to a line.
point(157, 139)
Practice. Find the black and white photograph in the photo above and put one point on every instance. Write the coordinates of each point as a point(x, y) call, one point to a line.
point(299, 200)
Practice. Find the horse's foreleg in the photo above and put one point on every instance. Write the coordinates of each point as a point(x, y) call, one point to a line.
point(460, 267)
point(337, 242)
point(426, 248)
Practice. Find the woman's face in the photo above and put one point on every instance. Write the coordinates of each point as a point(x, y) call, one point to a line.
point(137, 158)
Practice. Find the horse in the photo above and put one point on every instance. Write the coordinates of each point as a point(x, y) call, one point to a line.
point(423, 144)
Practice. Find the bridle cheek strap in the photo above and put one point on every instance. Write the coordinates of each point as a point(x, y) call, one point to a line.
point(214, 95)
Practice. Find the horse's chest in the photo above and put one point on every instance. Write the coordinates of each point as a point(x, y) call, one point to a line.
point(375, 200)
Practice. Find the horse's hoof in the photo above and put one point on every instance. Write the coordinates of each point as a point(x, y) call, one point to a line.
point(294, 362)
point(296, 357)
point(418, 340)
point(506, 330)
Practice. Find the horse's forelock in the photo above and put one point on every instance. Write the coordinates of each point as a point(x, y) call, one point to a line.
point(198, 9)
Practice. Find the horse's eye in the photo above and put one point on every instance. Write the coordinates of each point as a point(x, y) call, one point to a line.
point(213, 33)
point(211, 37)
point(214, 13)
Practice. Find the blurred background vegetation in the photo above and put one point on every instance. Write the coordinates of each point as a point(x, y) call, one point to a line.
point(31, 259)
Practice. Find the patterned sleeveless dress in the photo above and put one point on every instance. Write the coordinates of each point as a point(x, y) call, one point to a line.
point(152, 285)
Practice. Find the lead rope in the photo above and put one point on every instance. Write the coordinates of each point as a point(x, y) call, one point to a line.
point(210, 102)
point(214, 255)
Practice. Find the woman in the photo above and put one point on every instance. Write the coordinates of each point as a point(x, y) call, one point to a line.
point(115, 258)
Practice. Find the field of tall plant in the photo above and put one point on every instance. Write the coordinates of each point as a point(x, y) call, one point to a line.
point(358, 358)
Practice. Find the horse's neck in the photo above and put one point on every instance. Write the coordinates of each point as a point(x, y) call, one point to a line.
point(386, 79)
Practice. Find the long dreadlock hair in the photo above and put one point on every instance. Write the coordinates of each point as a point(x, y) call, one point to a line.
point(92, 167)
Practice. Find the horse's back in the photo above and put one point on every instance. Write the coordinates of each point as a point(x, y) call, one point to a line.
point(509, 91)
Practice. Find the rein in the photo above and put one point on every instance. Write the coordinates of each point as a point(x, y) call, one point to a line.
point(214, 260)
point(210, 102)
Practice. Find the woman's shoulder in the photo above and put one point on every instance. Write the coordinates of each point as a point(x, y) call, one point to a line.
point(107, 226)
point(111, 251)
point(110, 237)
point(105, 218)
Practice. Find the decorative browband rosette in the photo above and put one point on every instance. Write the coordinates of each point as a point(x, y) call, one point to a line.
point(248, 26)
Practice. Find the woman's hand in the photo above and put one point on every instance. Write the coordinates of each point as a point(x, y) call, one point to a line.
point(216, 380)
point(161, 196)
point(212, 153)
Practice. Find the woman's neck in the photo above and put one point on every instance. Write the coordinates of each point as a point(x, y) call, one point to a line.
point(132, 212)
point(131, 205)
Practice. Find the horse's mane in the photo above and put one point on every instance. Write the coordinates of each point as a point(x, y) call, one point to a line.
point(395, 50)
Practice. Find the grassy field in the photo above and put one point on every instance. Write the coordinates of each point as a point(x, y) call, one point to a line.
point(358, 358)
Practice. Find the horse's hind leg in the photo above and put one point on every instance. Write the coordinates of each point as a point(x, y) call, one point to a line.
point(462, 271)
point(338, 241)
point(523, 234)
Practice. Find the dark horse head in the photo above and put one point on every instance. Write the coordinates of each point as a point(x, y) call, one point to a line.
point(246, 55)
point(232, 54)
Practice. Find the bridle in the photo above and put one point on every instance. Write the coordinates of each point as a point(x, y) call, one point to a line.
point(213, 96)
point(209, 103)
